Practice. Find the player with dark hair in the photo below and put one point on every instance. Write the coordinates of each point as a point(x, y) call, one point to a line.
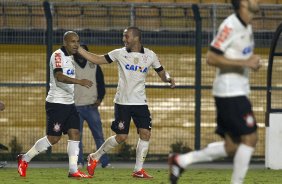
point(133, 61)
point(231, 52)
point(62, 116)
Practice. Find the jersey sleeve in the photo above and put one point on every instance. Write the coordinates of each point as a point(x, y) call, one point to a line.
point(56, 61)
point(223, 38)
point(113, 55)
point(156, 62)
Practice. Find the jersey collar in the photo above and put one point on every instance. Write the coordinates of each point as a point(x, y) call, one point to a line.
point(65, 51)
point(241, 20)
point(141, 51)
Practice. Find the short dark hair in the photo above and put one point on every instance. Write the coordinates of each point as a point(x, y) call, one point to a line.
point(135, 31)
point(236, 4)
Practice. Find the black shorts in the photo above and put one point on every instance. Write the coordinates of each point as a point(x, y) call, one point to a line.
point(123, 114)
point(61, 118)
point(235, 116)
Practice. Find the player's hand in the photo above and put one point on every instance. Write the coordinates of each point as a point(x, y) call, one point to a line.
point(97, 103)
point(254, 62)
point(172, 83)
point(86, 83)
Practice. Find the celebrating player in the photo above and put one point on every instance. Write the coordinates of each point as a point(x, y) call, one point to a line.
point(130, 101)
point(62, 116)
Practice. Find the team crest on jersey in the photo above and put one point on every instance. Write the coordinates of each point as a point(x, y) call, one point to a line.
point(57, 127)
point(121, 125)
point(145, 58)
point(250, 120)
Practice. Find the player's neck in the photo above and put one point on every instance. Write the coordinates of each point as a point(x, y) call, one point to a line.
point(245, 15)
point(136, 48)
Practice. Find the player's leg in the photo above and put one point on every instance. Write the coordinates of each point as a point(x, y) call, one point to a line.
point(81, 110)
point(23, 159)
point(54, 133)
point(242, 157)
point(179, 162)
point(71, 127)
point(142, 119)
point(121, 127)
point(95, 125)
point(242, 126)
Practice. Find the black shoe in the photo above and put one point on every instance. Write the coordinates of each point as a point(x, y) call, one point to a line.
point(175, 170)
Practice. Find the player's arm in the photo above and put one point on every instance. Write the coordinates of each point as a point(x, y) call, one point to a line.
point(165, 77)
point(217, 59)
point(94, 58)
point(59, 75)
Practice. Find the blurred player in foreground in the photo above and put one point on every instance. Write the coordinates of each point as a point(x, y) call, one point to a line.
point(133, 62)
point(62, 116)
point(231, 52)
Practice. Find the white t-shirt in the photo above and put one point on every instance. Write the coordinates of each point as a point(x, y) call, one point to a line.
point(132, 71)
point(235, 41)
point(61, 92)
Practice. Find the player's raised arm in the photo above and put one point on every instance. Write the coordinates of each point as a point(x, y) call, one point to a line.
point(94, 58)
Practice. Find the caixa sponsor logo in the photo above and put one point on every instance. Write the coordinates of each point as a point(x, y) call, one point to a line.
point(247, 50)
point(70, 72)
point(136, 68)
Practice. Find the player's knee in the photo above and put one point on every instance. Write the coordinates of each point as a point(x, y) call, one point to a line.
point(144, 134)
point(53, 139)
point(121, 138)
point(74, 134)
point(250, 139)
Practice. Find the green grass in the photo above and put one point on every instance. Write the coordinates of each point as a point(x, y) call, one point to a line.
point(123, 176)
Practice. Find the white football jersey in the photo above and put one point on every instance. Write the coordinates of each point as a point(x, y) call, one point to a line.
point(235, 41)
point(132, 70)
point(61, 92)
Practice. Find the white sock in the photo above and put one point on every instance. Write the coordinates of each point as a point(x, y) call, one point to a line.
point(241, 163)
point(211, 152)
point(41, 145)
point(109, 144)
point(73, 150)
point(141, 153)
